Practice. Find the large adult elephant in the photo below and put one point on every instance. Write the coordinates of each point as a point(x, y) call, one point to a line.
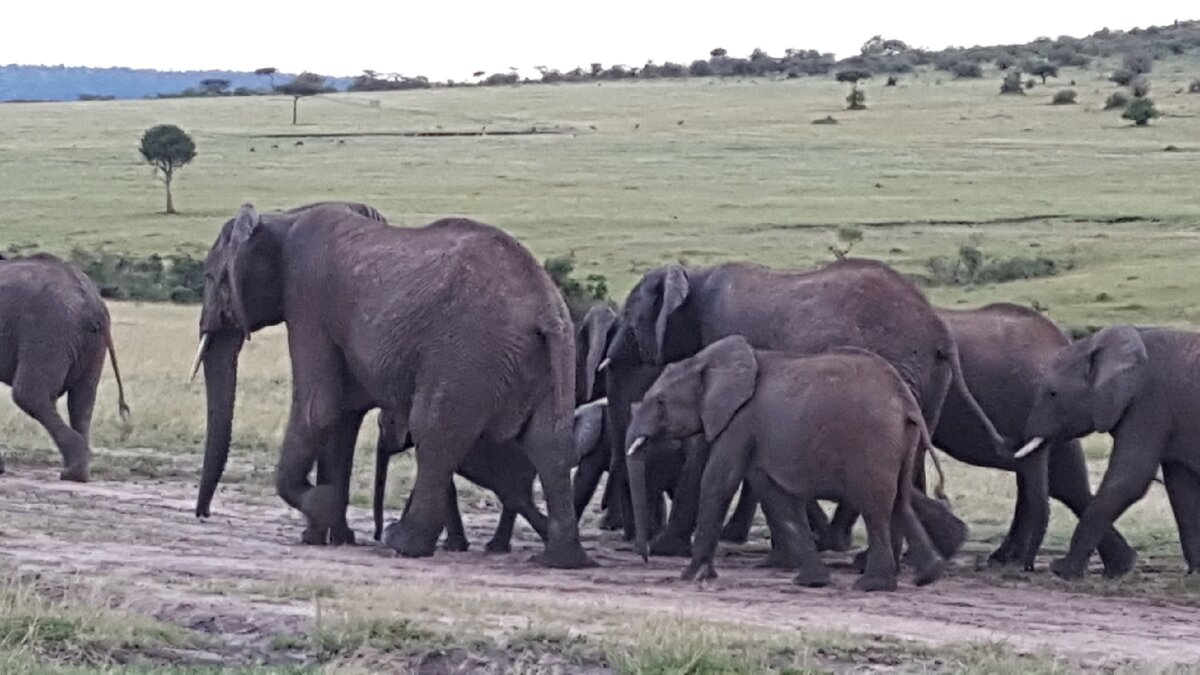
point(1005, 349)
point(453, 328)
point(54, 334)
point(673, 312)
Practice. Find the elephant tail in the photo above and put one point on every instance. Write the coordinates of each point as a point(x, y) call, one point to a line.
point(924, 445)
point(560, 344)
point(122, 406)
point(1003, 447)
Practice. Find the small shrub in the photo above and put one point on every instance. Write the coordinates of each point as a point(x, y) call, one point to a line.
point(1012, 84)
point(1140, 87)
point(1138, 64)
point(857, 100)
point(1194, 87)
point(579, 294)
point(852, 75)
point(1122, 77)
point(971, 266)
point(966, 69)
point(1117, 100)
point(1064, 97)
point(893, 81)
point(1141, 111)
point(847, 236)
point(1030, 83)
point(828, 119)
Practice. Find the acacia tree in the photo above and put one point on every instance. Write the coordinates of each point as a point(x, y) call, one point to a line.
point(166, 147)
point(269, 73)
point(305, 84)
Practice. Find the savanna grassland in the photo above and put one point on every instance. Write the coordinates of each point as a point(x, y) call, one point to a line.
point(117, 572)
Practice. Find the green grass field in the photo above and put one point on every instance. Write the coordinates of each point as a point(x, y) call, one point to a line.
point(645, 173)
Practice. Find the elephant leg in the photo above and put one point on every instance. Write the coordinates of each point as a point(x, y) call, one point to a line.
point(438, 455)
point(1033, 490)
point(1183, 490)
point(550, 448)
point(675, 539)
point(840, 533)
point(456, 535)
point(1007, 552)
point(718, 484)
point(923, 555)
point(737, 528)
point(792, 543)
point(587, 479)
point(36, 398)
point(1069, 485)
point(882, 561)
point(1131, 468)
point(501, 541)
point(513, 505)
point(612, 511)
point(818, 521)
point(947, 531)
point(340, 455)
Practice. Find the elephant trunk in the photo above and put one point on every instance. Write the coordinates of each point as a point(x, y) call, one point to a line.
point(635, 463)
point(220, 385)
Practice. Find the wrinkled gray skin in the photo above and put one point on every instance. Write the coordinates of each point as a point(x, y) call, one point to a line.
point(1139, 385)
point(673, 312)
point(54, 334)
point(841, 425)
point(453, 327)
point(499, 467)
point(1004, 349)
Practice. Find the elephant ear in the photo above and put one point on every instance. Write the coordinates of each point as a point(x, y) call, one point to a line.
point(730, 372)
point(1117, 368)
point(589, 423)
point(596, 327)
point(675, 290)
point(240, 265)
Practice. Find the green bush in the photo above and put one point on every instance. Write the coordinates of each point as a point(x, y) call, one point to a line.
point(965, 69)
point(579, 295)
point(1064, 97)
point(971, 267)
point(1012, 83)
point(176, 278)
point(857, 100)
point(1141, 111)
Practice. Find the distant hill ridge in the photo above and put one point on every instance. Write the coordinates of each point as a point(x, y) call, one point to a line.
point(68, 83)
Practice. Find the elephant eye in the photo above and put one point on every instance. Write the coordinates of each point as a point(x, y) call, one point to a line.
point(1053, 394)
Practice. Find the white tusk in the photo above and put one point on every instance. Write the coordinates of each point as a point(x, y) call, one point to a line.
point(1029, 447)
point(199, 356)
point(598, 403)
point(637, 443)
point(603, 365)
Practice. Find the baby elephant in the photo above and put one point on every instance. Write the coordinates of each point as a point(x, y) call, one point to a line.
point(837, 425)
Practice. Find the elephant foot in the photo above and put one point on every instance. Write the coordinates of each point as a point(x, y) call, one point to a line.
point(735, 534)
point(1067, 568)
point(699, 571)
point(409, 540)
point(668, 544)
point(833, 541)
point(323, 507)
point(1119, 564)
point(564, 556)
point(315, 536)
point(870, 584)
point(860, 562)
point(342, 536)
point(77, 473)
point(930, 573)
point(1005, 555)
point(814, 577)
point(498, 546)
point(456, 544)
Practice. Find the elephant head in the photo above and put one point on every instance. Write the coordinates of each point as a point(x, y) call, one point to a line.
point(656, 303)
point(592, 336)
point(699, 395)
point(243, 293)
point(1089, 385)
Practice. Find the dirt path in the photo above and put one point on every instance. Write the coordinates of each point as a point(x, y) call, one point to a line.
point(144, 534)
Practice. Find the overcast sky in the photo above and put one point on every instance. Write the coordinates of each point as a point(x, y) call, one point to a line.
point(450, 39)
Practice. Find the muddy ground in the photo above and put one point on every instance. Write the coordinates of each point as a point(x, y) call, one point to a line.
point(142, 536)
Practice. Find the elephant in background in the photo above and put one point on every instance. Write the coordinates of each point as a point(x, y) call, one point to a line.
point(54, 333)
point(452, 327)
point(840, 424)
point(674, 312)
point(1139, 385)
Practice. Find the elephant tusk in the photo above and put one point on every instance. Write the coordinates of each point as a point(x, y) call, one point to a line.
point(604, 365)
point(598, 403)
point(199, 356)
point(637, 443)
point(1029, 447)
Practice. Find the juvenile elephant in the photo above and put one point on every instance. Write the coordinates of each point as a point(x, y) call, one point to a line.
point(1138, 384)
point(453, 327)
point(674, 312)
point(54, 333)
point(593, 331)
point(840, 424)
point(1004, 349)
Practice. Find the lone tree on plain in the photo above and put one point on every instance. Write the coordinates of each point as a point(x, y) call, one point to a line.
point(1044, 70)
point(166, 147)
point(269, 73)
point(305, 84)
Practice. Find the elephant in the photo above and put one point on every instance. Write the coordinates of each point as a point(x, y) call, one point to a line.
point(453, 328)
point(1139, 385)
point(499, 467)
point(54, 333)
point(673, 312)
point(1004, 348)
point(839, 424)
point(593, 330)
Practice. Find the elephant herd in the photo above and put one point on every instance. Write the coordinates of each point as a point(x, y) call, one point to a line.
point(787, 388)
